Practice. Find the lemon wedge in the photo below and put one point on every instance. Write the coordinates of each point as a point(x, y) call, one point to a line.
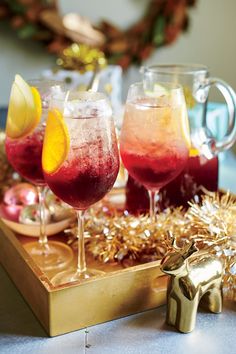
point(37, 102)
point(158, 91)
point(185, 126)
point(56, 143)
point(24, 111)
point(190, 101)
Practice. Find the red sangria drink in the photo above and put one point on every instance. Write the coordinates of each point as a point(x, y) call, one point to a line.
point(90, 169)
point(25, 130)
point(154, 170)
point(199, 175)
point(80, 160)
point(25, 155)
point(201, 171)
point(154, 142)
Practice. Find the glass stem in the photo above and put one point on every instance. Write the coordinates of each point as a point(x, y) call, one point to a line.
point(43, 240)
point(152, 205)
point(81, 266)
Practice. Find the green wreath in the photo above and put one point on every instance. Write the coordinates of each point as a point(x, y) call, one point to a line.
point(40, 20)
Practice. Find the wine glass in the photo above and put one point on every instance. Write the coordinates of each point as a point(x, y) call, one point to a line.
point(89, 168)
point(25, 154)
point(155, 139)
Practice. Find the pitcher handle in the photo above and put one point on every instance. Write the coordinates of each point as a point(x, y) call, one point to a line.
point(202, 138)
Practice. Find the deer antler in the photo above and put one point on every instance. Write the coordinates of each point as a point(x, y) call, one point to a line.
point(170, 241)
point(173, 241)
point(189, 249)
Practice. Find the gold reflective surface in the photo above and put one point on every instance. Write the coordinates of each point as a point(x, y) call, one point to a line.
point(191, 281)
point(117, 293)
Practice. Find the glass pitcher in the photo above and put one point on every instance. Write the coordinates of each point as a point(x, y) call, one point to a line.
point(202, 170)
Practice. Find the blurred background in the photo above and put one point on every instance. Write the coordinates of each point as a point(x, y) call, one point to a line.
point(208, 40)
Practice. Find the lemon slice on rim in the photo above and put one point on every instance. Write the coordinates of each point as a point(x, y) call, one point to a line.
point(158, 91)
point(56, 143)
point(24, 111)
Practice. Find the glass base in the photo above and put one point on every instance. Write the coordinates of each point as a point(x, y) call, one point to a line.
point(51, 256)
point(72, 275)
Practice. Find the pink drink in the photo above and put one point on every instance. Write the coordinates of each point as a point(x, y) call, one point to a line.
point(25, 155)
point(153, 147)
point(92, 164)
point(153, 172)
point(199, 172)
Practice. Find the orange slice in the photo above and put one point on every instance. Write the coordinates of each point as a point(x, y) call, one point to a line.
point(56, 143)
point(185, 127)
point(37, 102)
point(24, 111)
point(193, 152)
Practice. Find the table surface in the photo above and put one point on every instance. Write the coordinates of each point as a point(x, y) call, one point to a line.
point(21, 333)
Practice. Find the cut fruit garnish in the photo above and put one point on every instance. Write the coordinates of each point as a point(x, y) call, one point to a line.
point(193, 152)
point(24, 111)
point(185, 127)
point(158, 91)
point(37, 102)
point(56, 143)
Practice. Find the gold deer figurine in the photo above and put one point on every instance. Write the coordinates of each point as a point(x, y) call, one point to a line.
point(190, 282)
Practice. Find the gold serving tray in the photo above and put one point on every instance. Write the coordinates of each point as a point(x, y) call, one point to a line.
point(117, 293)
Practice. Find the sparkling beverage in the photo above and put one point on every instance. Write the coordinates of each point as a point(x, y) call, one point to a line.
point(91, 167)
point(153, 162)
point(199, 172)
point(199, 175)
point(80, 161)
point(25, 155)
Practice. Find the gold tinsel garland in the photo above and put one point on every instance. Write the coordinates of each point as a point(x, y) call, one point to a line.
point(161, 24)
point(125, 237)
point(131, 240)
point(215, 222)
point(81, 58)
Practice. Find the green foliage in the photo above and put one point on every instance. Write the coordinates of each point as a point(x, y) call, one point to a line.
point(27, 31)
point(15, 6)
point(159, 31)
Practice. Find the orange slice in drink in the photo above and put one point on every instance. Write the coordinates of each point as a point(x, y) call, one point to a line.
point(193, 152)
point(24, 111)
point(56, 135)
point(185, 127)
point(37, 102)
